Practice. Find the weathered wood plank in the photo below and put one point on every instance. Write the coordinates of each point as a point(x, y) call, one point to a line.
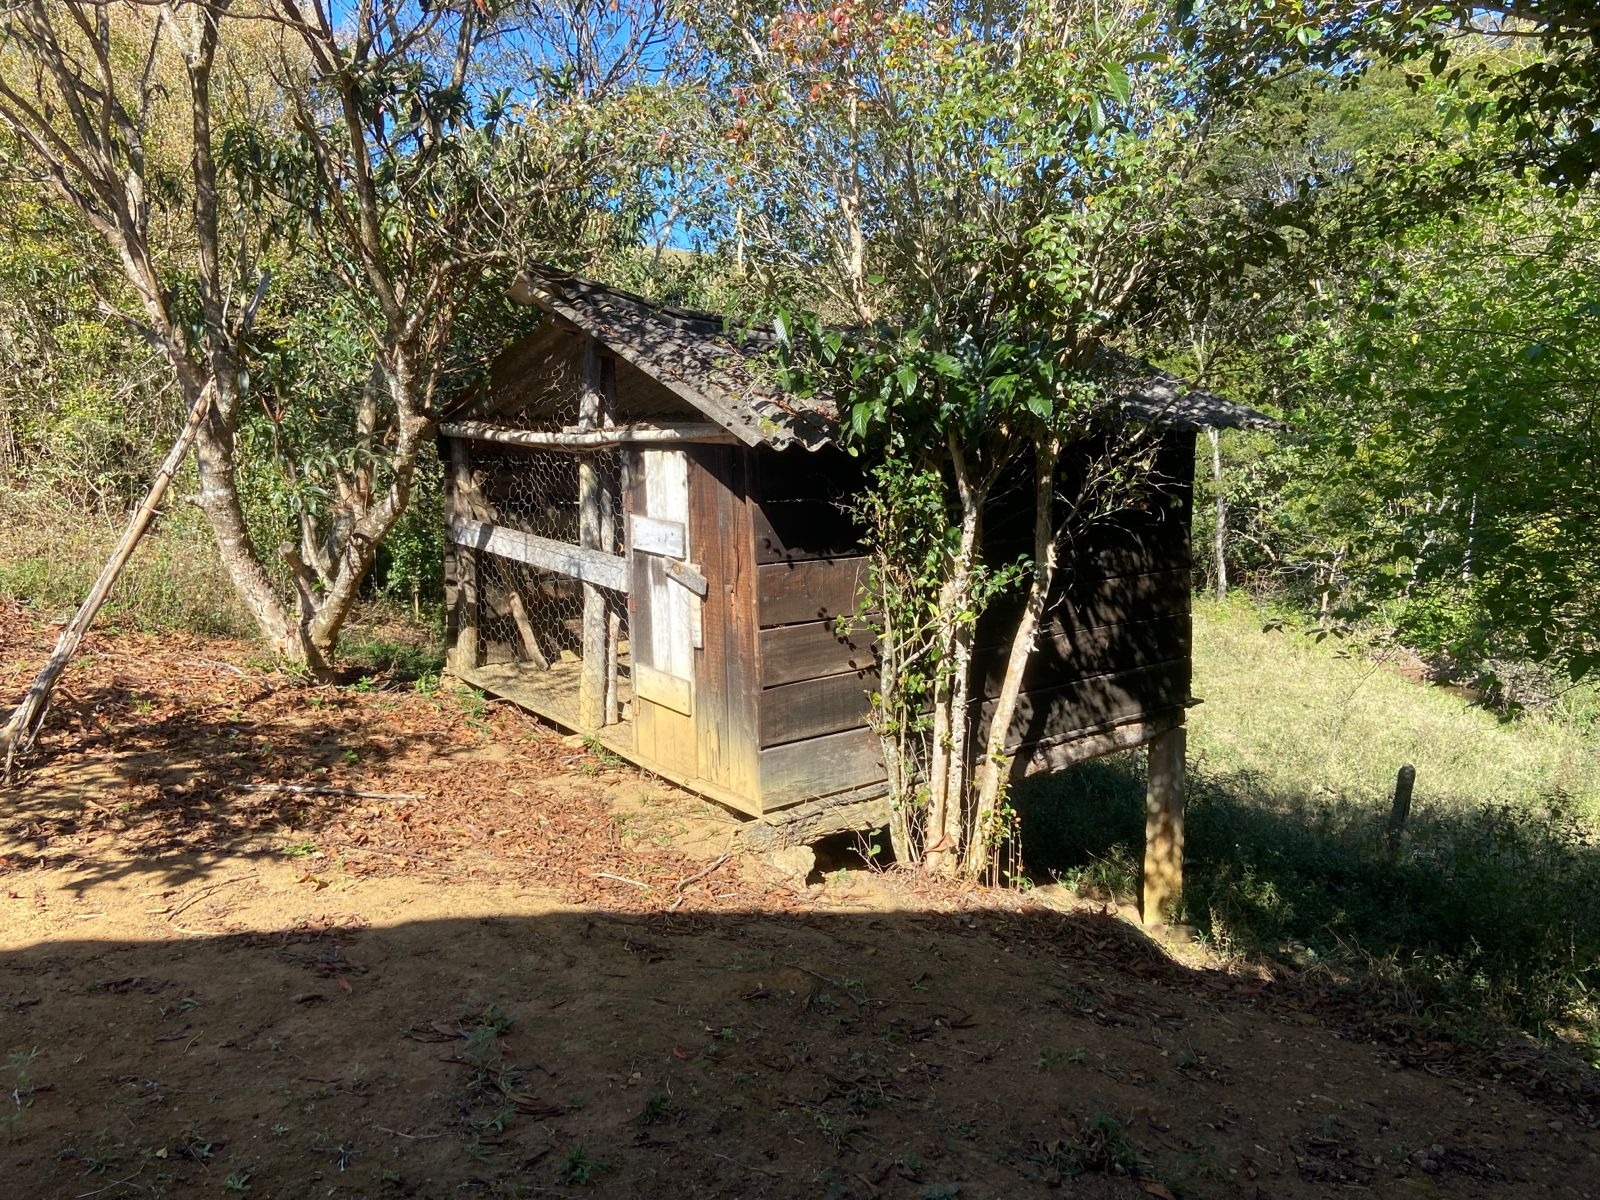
point(670, 691)
point(1091, 602)
point(802, 506)
point(1163, 829)
point(1085, 703)
point(1062, 654)
point(590, 566)
point(820, 767)
point(726, 664)
point(820, 589)
point(1125, 599)
point(654, 536)
point(801, 824)
point(664, 611)
point(1068, 750)
point(581, 437)
point(813, 707)
point(595, 525)
point(815, 649)
point(798, 530)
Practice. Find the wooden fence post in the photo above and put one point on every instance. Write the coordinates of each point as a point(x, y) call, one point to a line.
point(1401, 810)
point(1163, 828)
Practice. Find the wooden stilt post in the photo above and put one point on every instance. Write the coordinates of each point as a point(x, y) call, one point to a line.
point(594, 533)
point(1163, 828)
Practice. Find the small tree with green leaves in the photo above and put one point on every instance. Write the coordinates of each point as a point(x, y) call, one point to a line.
point(974, 200)
point(359, 177)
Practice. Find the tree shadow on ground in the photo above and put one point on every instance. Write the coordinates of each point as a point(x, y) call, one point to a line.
point(917, 1054)
point(1476, 908)
point(130, 785)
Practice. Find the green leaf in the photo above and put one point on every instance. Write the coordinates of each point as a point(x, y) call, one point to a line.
point(1118, 83)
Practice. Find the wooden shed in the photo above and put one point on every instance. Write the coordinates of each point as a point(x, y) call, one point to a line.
point(649, 543)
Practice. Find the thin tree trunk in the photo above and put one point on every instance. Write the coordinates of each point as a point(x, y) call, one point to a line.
point(1219, 538)
point(948, 755)
point(996, 769)
point(891, 727)
point(24, 723)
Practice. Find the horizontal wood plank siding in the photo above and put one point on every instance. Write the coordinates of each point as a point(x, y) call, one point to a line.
point(1063, 654)
point(802, 508)
point(1087, 703)
point(820, 767)
point(816, 590)
point(1112, 656)
point(1067, 750)
point(814, 650)
point(813, 707)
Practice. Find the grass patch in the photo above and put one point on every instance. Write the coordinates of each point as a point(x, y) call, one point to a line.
point(1325, 720)
point(403, 652)
point(1490, 910)
point(51, 553)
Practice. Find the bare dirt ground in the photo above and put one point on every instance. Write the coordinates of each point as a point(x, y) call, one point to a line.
point(523, 971)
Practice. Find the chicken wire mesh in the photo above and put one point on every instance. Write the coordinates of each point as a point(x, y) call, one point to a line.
point(529, 615)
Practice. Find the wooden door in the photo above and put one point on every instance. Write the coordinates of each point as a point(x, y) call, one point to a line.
point(663, 629)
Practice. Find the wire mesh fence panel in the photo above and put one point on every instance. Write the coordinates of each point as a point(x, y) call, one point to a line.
point(531, 618)
point(536, 491)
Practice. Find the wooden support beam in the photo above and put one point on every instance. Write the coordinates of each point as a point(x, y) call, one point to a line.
point(589, 566)
point(595, 524)
point(582, 437)
point(526, 632)
point(463, 509)
point(1163, 828)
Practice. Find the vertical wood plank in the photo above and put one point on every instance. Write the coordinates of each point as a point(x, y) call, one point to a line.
point(661, 632)
point(594, 531)
point(463, 603)
point(1163, 829)
point(725, 715)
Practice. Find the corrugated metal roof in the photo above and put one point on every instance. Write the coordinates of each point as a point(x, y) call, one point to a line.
point(722, 369)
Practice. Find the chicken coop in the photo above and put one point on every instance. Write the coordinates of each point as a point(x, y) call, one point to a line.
point(650, 543)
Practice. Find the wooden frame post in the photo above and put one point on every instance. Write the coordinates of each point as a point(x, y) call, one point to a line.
point(463, 608)
point(595, 532)
point(1163, 827)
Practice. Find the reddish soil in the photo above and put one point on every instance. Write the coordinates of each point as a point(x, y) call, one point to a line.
point(524, 971)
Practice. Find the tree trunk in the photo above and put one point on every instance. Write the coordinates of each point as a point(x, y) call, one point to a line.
point(996, 770)
point(1219, 538)
point(24, 723)
point(219, 500)
point(948, 755)
point(890, 723)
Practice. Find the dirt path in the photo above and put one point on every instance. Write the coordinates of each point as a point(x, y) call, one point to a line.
point(206, 990)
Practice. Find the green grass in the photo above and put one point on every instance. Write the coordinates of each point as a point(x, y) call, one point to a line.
point(51, 553)
point(1326, 720)
point(1489, 911)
